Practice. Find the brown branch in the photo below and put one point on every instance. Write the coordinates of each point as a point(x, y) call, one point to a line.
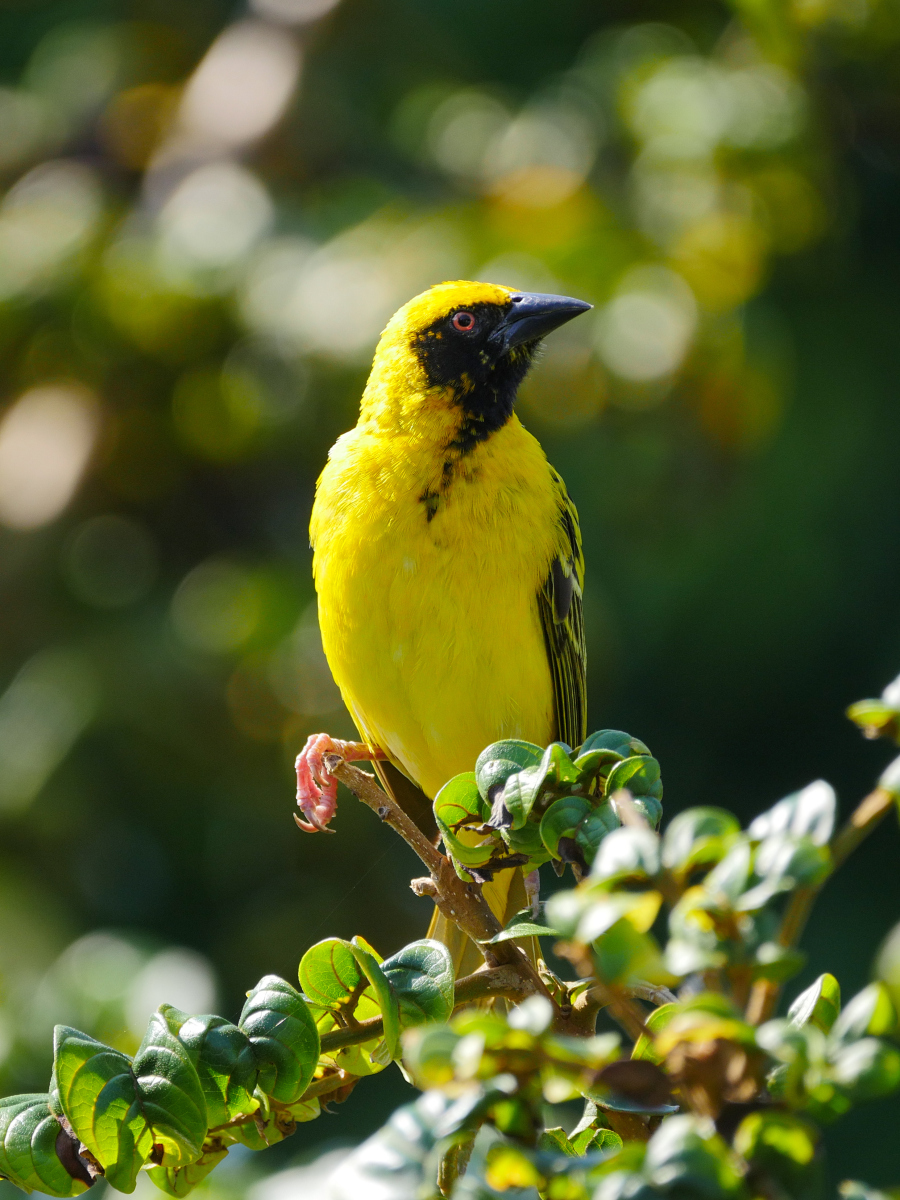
point(868, 814)
point(461, 902)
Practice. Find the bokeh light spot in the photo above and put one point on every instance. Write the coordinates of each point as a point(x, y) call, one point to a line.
point(645, 330)
point(242, 86)
point(46, 440)
point(42, 713)
point(110, 561)
point(217, 607)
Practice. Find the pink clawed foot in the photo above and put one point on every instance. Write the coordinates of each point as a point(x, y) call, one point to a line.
point(316, 786)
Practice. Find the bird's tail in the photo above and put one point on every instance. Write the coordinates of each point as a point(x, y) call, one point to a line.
point(505, 896)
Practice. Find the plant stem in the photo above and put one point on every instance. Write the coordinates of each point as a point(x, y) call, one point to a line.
point(461, 902)
point(868, 814)
point(495, 981)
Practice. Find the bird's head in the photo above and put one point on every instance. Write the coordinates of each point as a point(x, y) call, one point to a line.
point(465, 347)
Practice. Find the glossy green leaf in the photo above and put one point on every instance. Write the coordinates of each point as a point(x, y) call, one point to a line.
point(696, 837)
point(596, 1141)
point(593, 829)
point(456, 806)
point(329, 972)
point(284, 1037)
point(522, 790)
point(498, 761)
point(523, 925)
point(640, 775)
point(169, 1090)
point(422, 978)
point(819, 1004)
point(561, 820)
point(384, 997)
point(179, 1181)
point(28, 1158)
point(807, 813)
point(226, 1065)
point(596, 765)
point(97, 1092)
point(526, 840)
point(613, 739)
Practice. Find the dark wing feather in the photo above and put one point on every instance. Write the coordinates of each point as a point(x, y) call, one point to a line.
point(562, 618)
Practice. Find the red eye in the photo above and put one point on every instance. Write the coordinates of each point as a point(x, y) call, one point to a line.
point(464, 322)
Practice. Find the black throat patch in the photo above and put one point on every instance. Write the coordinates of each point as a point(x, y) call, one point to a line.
point(484, 387)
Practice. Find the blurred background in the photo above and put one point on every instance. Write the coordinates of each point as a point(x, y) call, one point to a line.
point(208, 213)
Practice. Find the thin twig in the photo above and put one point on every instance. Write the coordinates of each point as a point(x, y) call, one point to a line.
point(482, 985)
point(867, 815)
point(461, 902)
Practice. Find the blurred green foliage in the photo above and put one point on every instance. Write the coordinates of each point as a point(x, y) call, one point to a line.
point(207, 216)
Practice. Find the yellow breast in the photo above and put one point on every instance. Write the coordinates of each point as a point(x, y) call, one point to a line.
point(427, 571)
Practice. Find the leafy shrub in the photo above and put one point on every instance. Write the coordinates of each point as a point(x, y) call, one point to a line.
point(703, 1093)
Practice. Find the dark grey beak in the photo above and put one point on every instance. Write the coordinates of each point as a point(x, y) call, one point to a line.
point(533, 315)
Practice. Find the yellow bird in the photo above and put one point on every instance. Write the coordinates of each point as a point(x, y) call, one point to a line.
point(448, 562)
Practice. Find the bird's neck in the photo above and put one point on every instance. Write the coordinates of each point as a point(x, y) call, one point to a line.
point(452, 419)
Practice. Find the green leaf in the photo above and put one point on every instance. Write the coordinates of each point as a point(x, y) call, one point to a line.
point(561, 820)
point(28, 1158)
point(627, 853)
point(792, 861)
point(640, 775)
point(876, 718)
point(807, 813)
point(613, 739)
point(596, 765)
point(624, 956)
point(867, 1069)
point(591, 1140)
point(226, 1065)
point(521, 925)
point(284, 1037)
point(346, 976)
point(729, 878)
point(819, 1005)
point(593, 829)
point(696, 837)
point(97, 1092)
point(169, 1090)
point(428, 1054)
point(498, 761)
point(526, 840)
point(685, 1151)
point(870, 1012)
point(657, 1020)
point(384, 997)
point(456, 807)
point(422, 977)
point(179, 1181)
point(782, 1147)
point(522, 790)
point(329, 972)
point(555, 1140)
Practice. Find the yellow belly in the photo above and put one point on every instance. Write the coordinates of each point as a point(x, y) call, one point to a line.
point(431, 628)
